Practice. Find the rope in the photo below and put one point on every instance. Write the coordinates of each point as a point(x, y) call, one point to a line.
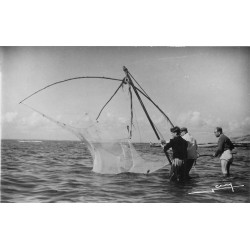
point(139, 85)
point(131, 111)
point(143, 107)
point(142, 91)
point(137, 126)
point(156, 107)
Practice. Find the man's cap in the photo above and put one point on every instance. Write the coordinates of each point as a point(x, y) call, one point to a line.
point(184, 129)
point(175, 129)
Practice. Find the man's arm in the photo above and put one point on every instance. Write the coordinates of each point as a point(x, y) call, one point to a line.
point(231, 145)
point(168, 146)
point(219, 150)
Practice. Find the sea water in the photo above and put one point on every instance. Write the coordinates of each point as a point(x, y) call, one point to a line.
point(61, 171)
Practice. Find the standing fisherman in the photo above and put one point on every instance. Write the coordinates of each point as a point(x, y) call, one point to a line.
point(179, 147)
point(224, 151)
point(191, 150)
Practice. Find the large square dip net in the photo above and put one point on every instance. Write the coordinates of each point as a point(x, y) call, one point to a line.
point(112, 152)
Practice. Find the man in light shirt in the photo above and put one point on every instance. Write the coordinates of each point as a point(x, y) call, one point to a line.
point(224, 150)
point(192, 153)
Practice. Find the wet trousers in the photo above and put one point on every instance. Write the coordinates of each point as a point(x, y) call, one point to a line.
point(189, 165)
point(178, 170)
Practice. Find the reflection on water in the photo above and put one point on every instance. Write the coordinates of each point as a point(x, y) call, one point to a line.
point(61, 171)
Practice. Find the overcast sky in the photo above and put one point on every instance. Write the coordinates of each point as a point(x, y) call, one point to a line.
point(197, 87)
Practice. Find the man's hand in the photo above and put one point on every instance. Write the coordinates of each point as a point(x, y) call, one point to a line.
point(163, 142)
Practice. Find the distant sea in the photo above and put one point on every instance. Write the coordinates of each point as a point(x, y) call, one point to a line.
point(61, 171)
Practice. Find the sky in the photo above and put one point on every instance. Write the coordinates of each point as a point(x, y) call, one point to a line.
point(197, 87)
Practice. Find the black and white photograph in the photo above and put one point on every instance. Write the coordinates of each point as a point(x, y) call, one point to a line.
point(125, 124)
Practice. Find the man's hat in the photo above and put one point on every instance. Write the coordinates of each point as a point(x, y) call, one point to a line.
point(184, 129)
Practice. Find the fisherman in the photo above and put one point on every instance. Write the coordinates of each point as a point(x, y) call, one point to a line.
point(224, 150)
point(179, 147)
point(191, 150)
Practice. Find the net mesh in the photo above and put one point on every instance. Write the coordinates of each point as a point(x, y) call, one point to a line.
point(110, 155)
point(111, 147)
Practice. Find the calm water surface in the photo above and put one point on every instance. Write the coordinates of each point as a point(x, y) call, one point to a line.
point(61, 171)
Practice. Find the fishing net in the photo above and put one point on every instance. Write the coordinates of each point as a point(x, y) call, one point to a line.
point(111, 155)
point(112, 152)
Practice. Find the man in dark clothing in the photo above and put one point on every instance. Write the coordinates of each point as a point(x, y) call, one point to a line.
point(179, 147)
point(224, 151)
